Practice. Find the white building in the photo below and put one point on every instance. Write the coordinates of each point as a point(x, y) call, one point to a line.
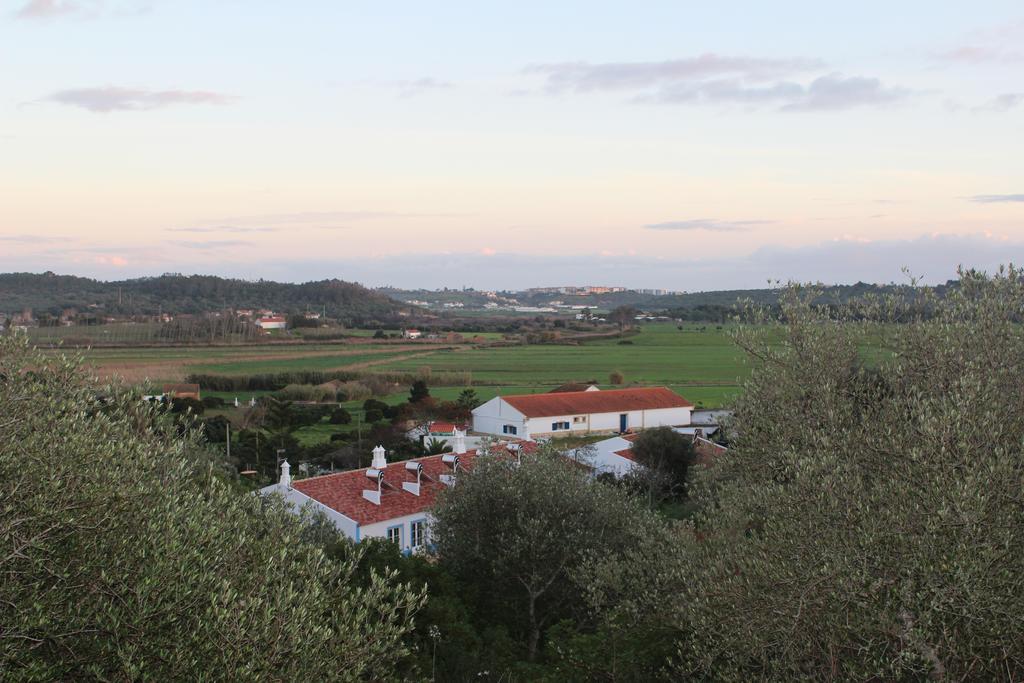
point(385, 500)
point(411, 333)
point(273, 322)
point(581, 412)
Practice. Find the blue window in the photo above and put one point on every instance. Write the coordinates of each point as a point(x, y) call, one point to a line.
point(395, 535)
point(557, 426)
point(509, 429)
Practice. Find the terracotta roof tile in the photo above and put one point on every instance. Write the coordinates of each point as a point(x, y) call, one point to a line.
point(590, 402)
point(343, 492)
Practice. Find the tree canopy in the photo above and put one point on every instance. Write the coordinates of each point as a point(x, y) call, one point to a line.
point(129, 555)
point(868, 521)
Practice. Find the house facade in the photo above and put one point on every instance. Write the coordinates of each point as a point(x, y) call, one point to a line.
point(385, 500)
point(581, 412)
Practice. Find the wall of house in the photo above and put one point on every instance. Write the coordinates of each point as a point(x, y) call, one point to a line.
point(380, 529)
point(609, 422)
point(299, 500)
point(490, 417)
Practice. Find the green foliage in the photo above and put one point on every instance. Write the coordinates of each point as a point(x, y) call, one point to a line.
point(373, 415)
point(213, 402)
point(345, 301)
point(187, 405)
point(666, 456)
point(419, 391)
point(516, 534)
point(128, 556)
point(436, 446)
point(867, 522)
point(374, 404)
point(468, 400)
point(340, 416)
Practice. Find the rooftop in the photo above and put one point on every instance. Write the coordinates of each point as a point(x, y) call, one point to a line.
point(589, 402)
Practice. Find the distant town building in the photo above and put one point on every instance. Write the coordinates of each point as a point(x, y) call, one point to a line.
point(411, 333)
point(273, 322)
point(182, 391)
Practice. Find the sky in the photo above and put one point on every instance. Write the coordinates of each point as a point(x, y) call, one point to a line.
point(678, 145)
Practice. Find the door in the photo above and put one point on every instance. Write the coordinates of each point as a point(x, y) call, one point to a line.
point(623, 422)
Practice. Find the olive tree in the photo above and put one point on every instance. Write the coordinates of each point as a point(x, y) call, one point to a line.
point(514, 532)
point(868, 522)
point(127, 555)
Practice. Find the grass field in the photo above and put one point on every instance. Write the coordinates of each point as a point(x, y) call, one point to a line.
point(699, 361)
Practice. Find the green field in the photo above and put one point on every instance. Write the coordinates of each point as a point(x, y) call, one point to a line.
point(698, 361)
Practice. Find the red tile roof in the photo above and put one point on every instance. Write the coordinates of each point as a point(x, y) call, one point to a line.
point(443, 427)
point(626, 453)
point(181, 388)
point(590, 402)
point(343, 492)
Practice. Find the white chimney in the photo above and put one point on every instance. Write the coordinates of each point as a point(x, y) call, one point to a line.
point(380, 460)
point(416, 467)
point(286, 477)
point(459, 446)
point(377, 476)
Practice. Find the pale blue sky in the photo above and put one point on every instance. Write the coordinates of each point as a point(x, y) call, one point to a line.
point(679, 145)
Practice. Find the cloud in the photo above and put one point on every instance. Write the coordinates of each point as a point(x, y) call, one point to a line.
point(717, 80)
point(306, 217)
point(836, 92)
point(48, 9)
point(210, 244)
point(225, 228)
point(997, 198)
point(587, 77)
point(1001, 103)
point(833, 92)
point(31, 239)
point(110, 98)
point(972, 54)
point(706, 224)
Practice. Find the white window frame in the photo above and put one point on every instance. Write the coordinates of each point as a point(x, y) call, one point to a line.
point(418, 528)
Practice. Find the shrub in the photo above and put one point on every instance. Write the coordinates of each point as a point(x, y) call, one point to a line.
point(213, 402)
point(373, 404)
point(374, 415)
point(616, 377)
point(340, 416)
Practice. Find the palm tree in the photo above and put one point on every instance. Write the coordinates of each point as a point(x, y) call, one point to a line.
point(436, 446)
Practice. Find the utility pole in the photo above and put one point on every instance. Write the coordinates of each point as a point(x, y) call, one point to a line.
point(229, 440)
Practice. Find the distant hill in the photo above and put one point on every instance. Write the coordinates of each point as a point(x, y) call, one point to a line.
point(48, 293)
point(710, 305)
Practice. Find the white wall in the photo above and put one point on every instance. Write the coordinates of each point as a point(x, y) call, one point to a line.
point(299, 500)
point(609, 422)
point(490, 417)
point(380, 529)
point(603, 459)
